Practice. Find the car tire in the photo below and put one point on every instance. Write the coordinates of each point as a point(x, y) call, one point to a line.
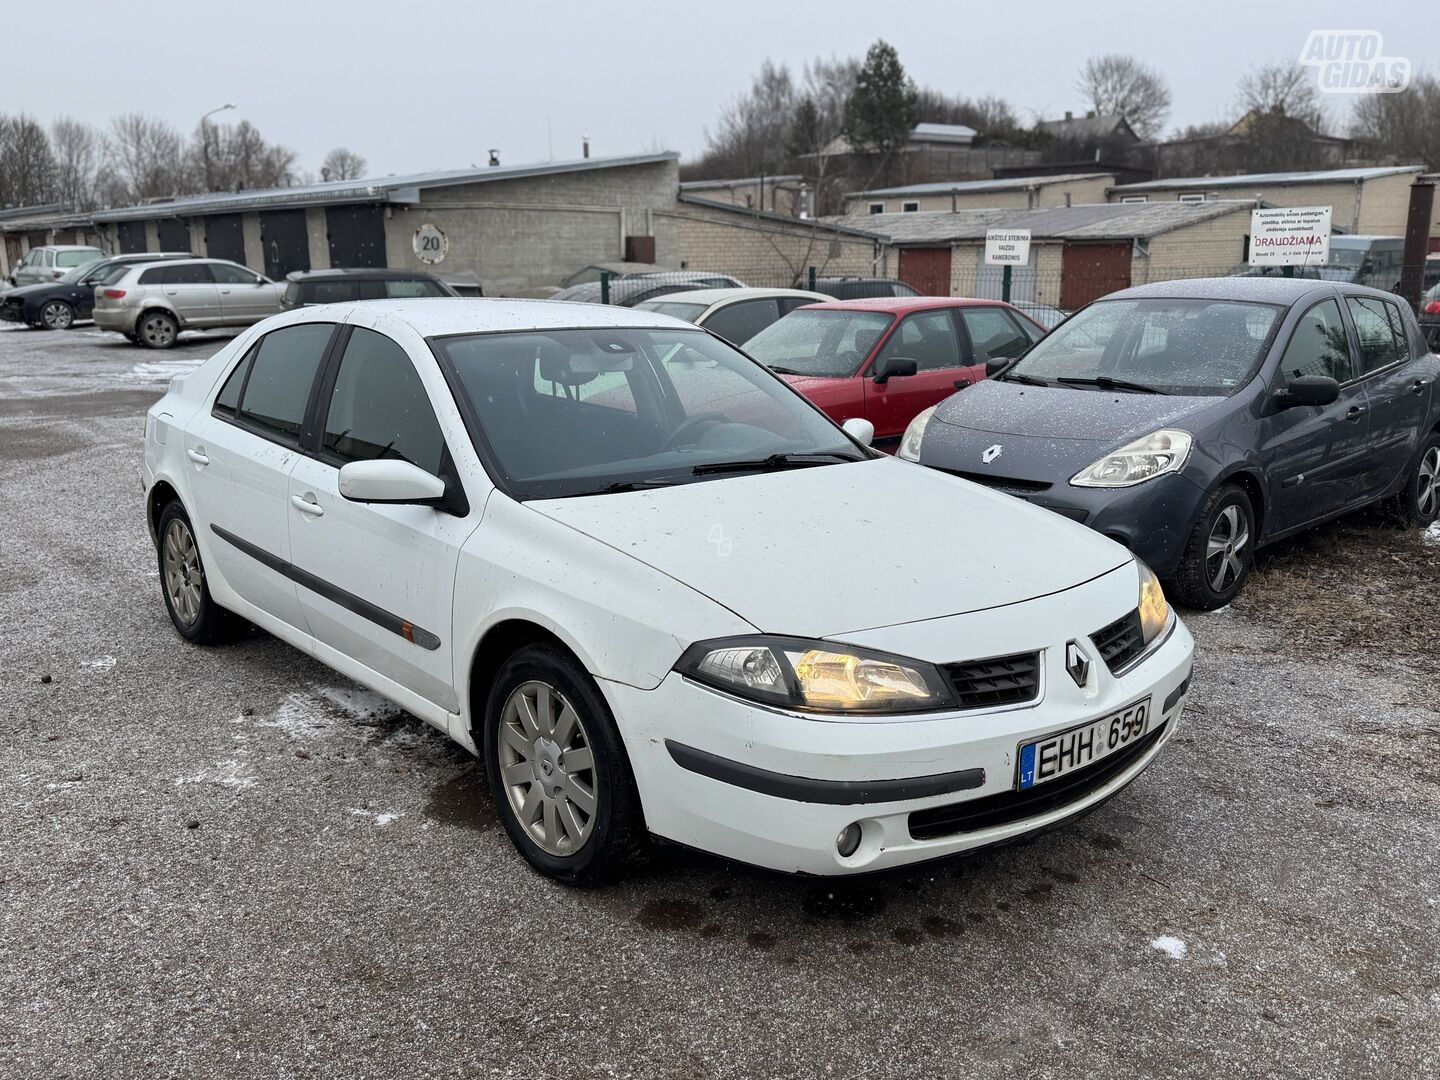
point(563, 787)
point(157, 330)
point(57, 315)
point(194, 613)
point(1417, 506)
point(1219, 553)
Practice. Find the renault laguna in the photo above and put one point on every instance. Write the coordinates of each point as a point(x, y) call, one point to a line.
point(657, 592)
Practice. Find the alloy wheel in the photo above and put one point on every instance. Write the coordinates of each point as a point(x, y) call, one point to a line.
point(547, 768)
point(158, 330)
point(1428, 490)
point(184, 577)
point(1224, 551)
point(57, 315)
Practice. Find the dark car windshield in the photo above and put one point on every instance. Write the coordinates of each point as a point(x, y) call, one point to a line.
point(579, 412)
point(823, 342)
point(688, 312)
point(1195, 347)
point(73, 275)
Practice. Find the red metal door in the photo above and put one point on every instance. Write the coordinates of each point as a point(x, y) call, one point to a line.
point(1092, 271)
point(926, 270)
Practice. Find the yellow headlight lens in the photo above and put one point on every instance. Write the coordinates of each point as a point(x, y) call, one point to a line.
point(845, 680)
point(1154, 608)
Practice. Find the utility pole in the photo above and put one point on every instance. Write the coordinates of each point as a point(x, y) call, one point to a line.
point(205, 141)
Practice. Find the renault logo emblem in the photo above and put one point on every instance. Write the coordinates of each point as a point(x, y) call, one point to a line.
point(991, 453)
point(1077, 665)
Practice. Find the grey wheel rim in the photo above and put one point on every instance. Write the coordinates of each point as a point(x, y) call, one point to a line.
point(57, 315)
point(547, 768)
point(158, 330)
point(1427, 491)
point(184, 577)
point(1225, 550)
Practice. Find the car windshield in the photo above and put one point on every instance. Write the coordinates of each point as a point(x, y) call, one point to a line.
point(77, 258)
point(75, 274)
point(586, 411)
point(823, 342)
point(688, 312)
point(1195, 347)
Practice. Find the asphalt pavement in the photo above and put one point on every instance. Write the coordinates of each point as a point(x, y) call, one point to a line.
point(235, 863)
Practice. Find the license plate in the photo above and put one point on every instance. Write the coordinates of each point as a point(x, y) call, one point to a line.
point(1066, 751)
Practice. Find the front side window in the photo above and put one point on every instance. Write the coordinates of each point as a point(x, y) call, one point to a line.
point(1319, 346)
point(738, 323)
point(379, 408)
point(928, 338)
point(1193, 347)
point(819, 341)
point(226, 274)
point(669, 403)
point(993, 334)
point(1378, 347)
point(282, 372)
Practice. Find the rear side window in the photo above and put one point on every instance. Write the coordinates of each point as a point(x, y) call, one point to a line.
point(327, 292)
point(282, 370)
point(1378, 347)
point(738, 323)
point(1319, 345)
point(228, 400)
point(379, 408)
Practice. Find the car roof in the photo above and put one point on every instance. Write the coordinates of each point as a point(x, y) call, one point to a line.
point(902, 305)
point(66, 247)
point(708, 297)
point(361, 273)
point(1259, 290)
point(435, 316)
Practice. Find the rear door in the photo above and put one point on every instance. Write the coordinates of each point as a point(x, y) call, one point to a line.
point(1315, 456)
point(240, 456)
point(1397, 385)
point(377, 579)
point(932, 340)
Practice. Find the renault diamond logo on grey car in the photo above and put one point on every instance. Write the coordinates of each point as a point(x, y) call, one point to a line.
point(991, 453)
point(1077, 665)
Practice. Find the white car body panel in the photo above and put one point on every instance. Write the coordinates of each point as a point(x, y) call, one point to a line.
point(882, 554)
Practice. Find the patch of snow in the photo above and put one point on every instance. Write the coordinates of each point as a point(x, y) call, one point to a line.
point(1431, 535)
point(1171, 946)
point(1221, 610)
point(161, 371)
point(101, 663)
point(380, 819)
point(231, 774)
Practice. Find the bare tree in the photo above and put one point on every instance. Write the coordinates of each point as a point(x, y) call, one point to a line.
point(77, 156)
point(1283, 89)
point(342, 164)
point(145, 159)
point(751, 137)
point(1405, 126)
point(27, 166)
point(241, 159)
point(1119, 85)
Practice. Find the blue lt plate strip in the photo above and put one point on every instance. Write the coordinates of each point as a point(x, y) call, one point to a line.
point(1027, 766)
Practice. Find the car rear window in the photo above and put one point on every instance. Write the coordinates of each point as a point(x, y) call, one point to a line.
point(68, 259)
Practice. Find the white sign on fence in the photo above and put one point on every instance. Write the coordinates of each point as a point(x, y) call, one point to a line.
point(1290, 236)
point(1007, 247)
point(430, 244)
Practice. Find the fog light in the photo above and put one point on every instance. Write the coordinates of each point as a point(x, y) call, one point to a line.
point(848, 840)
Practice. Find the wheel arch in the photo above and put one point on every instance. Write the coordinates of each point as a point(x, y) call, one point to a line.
point(160, 495)
point(1250, 482)
point(154, 306)
point(496, 645)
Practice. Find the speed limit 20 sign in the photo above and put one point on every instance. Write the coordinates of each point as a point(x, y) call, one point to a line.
point(430, 244)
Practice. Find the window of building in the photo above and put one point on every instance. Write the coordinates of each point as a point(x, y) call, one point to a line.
point(877, 208)
point(909, 207)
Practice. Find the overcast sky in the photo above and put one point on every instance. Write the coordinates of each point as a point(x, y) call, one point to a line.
point(416, 86)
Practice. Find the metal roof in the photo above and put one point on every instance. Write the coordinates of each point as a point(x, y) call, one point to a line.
point(840, 225)
point(401, 189)
point(962, 187)
point(1325, 176)
point(744, 181)
point(1091, 221)
point(942, 133)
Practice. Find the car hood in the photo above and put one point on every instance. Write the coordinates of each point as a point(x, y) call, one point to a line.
point(34, 292)
point(823, 551)
point(1043, 433)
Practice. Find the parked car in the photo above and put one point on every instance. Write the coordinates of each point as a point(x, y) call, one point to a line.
point(152, 305)
point(1365, 260)
point(635, 289)
point(58, 305)
point(886, 360)
point(591, 271)
point(455, 523)
point(862, 288)
point(737, 315)
point(337, 285)
point(51, 262)
point(1430, 317)
point(1194, 421)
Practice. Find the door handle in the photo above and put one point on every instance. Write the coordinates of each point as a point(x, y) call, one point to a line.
point(961, 384)
point(1418, 386)
point(306, 506)
point(197, 455)
point(1354, 413)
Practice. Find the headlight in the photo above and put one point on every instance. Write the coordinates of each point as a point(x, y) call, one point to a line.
point(914, 436)
point(1154, 608)
point(816, 676)
point(1154, 455)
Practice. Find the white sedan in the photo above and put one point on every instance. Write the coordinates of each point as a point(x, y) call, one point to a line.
point(655, 589)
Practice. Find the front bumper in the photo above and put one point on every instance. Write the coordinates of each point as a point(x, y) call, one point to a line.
point(13, 311)
point(730, 777)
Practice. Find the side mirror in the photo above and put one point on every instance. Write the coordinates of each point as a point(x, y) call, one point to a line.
point(389, 481)
point(1308, 390)
point(859, 429)
point(889, 367)
point(994, 366)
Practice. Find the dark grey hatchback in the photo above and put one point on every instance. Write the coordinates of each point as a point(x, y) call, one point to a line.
point(1193, 421)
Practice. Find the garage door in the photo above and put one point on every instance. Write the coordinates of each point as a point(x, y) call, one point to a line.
point(927, 270)
point(1092, 271)
point(174, 235)
point(357, 235)
point(225, 238)
point(285, 242)
point(132, 237)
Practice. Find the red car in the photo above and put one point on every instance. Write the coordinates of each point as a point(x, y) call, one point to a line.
point(886, 359)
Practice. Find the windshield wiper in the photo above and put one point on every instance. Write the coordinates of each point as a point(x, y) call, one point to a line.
point(774, 462)
point(633, 485)
point(1028, 380)
point(784, 370)
point(1107, 383)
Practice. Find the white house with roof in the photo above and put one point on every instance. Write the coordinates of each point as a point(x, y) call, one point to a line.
point(1015, 192)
